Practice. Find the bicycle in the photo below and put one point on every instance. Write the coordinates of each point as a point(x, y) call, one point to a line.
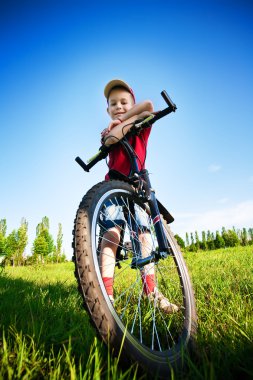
point(134, 323)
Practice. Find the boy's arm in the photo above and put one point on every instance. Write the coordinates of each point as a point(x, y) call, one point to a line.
point(113, 134)
point(137, 109)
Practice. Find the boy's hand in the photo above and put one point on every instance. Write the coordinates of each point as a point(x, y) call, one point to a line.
point(110, 127)
point(144, 114)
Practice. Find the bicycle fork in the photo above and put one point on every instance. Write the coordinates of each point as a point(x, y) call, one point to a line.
point(164, 249)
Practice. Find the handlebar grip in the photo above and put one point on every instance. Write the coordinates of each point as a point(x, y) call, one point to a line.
point(103, 152)
point(168, 100)
point(82, 164)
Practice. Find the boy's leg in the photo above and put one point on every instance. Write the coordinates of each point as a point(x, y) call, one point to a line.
point(109, 245)
point(149, 281)
point(148, 273)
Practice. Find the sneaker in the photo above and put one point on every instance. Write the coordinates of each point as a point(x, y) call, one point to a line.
point(163, 303)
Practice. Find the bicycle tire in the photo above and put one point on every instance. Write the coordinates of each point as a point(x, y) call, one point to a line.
point(172, 334)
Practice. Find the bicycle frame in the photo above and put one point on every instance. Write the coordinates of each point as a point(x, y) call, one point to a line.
point(142, 182)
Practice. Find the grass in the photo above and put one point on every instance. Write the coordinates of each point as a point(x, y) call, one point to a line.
point(223, 283)
point(45, 333)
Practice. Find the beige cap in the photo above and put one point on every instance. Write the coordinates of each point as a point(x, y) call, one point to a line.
point(114, 83)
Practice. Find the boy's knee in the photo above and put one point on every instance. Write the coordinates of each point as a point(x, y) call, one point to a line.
point(112, 235)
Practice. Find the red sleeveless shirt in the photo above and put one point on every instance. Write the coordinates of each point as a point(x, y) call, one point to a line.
point(118, 158)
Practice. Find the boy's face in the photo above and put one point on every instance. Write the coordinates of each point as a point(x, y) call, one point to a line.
point(119, 102)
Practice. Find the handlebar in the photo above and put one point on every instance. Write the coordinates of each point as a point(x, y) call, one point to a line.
point(168, 100)
point(147, 122)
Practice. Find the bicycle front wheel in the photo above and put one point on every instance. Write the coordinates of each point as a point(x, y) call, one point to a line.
point(154, 338)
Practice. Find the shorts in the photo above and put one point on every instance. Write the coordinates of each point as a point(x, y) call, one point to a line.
point(112, 215)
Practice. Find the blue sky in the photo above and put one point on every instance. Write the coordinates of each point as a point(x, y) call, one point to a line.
point(55, 59)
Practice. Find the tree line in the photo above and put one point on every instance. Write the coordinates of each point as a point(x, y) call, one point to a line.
point(210, 240)
point(44, 249)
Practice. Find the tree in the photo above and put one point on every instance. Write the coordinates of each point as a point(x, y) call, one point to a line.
point(219, 241)
point(187, 239)
point(22, 237)
point(16, 242)
point(192, 247)
point(50, 241)
point(59, 243)
point(203, 244)
point(2, 244)
point(180, 241)
point(197, 242)
point(232, 238)
point(3, 228)
point(45, 239)
point(244, 237)
point(11, 246)
point(250, 232)
point(44, 225)
point(224, 235)
point(40, 248)
point(210, 240)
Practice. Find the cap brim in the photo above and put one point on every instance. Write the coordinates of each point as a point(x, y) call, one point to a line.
point(114, 83)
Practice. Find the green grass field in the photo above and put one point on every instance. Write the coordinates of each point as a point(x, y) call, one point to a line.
point(46, 334)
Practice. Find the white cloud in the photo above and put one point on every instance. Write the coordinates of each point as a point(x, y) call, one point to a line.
point(213, 168)
point(239, 216)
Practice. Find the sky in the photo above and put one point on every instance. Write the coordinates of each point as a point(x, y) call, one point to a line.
point(55, 59)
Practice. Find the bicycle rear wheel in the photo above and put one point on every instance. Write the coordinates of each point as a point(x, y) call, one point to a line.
point(153, 338)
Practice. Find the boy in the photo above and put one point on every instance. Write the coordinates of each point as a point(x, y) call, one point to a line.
point(123, 110)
